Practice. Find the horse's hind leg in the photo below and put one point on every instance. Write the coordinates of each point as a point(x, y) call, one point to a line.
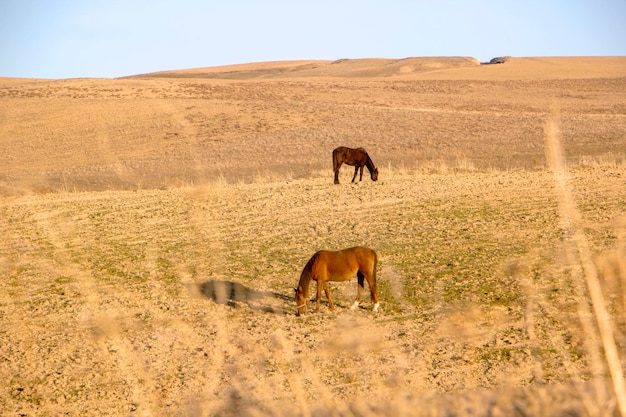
point(371, 281)
point(336, 165)
point(359, 290)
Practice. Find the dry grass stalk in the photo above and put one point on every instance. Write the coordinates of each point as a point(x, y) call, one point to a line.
point(572, 221)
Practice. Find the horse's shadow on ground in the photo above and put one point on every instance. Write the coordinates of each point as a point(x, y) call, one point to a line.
point(235, 295)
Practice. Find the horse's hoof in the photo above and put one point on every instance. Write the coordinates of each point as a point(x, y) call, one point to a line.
point(354, 306)
point(376, 307)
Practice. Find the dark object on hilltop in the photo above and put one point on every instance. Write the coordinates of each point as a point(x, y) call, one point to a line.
point(497, 60)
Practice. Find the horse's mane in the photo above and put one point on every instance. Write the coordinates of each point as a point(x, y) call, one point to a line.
point(369, 163)
point(307, 273)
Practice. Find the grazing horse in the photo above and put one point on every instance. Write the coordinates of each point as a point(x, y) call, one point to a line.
point(358, 158)
point(337, 266)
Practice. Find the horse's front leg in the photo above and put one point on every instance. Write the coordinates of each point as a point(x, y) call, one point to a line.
point(361, 176)
point(356, 171)
point(327, 291)
point(318, 296)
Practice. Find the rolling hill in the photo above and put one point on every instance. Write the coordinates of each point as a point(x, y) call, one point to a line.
point(154, 227)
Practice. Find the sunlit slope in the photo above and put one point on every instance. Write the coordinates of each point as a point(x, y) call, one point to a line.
point(282, 120)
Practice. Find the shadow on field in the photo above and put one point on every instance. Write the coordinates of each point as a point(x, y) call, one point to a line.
point(234, 294)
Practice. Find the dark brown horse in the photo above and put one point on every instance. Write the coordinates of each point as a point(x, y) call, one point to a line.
point(358, 158)
point(337, 266)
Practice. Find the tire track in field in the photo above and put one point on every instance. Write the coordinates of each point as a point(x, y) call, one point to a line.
point(91, 328)
point(61, 301)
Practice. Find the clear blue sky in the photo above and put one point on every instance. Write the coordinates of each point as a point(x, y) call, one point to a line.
point(112, 38)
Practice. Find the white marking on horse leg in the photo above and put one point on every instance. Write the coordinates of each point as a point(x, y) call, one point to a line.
point(354, 305)
point(376, 306)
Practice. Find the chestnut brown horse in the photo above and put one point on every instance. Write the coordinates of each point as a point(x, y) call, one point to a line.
point(358, 158)
point(337, 266)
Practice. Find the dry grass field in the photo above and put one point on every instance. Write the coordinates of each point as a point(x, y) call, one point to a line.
point(154, 228)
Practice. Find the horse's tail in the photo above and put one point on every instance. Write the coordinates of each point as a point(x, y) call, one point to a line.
point(335, 159)
point(373, 290)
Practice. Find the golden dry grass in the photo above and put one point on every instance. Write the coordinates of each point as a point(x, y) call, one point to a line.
point(154, 227)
